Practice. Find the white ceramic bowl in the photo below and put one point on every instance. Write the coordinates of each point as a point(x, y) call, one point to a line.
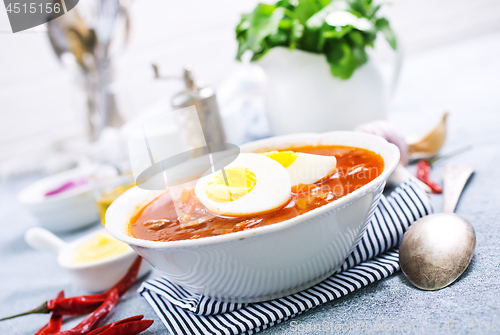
point(95, 276)
point(272, 261)
point(69, 210)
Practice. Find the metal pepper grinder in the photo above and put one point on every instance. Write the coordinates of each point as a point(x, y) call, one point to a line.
point(203, 98)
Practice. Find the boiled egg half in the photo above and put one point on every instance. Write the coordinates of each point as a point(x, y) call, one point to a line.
point(304, 168)
point(251, 184)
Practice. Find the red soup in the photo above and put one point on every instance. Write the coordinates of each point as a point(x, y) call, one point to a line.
point(159, 221)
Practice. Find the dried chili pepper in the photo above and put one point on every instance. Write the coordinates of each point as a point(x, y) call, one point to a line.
point(103, 328)
point(92, 319)
point(129, 328)
point(85, 304)
point(55, 321)
point(75, 305)
point(423, 174)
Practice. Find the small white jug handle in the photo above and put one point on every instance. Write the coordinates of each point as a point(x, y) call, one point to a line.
point(43, 240)
point(396, 71)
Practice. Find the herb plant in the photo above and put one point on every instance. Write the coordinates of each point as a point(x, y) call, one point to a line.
point(339, 29)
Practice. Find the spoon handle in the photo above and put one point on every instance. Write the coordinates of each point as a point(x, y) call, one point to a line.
point(43, 240)
point(455, 177)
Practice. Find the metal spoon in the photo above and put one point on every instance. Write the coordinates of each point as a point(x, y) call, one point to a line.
point(437, 249)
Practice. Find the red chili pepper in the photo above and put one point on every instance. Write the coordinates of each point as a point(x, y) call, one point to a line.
point(423, 174)
point(41, 331)
point(103, 328)
point(124, 330)
point(55, 321)
point(129, 328)
point(74, 306)
point(85, 304)
point(92, 319)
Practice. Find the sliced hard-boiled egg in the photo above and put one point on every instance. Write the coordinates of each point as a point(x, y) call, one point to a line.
point(251, 184)
point(304, 168)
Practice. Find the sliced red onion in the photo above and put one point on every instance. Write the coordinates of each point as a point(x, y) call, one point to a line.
point(67, 186)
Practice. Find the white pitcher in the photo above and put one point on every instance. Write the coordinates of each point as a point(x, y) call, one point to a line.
point(302, 95)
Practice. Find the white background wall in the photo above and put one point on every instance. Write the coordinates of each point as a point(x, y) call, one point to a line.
point(40, 103)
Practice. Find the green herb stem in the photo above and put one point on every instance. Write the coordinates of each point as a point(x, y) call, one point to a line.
point(42, 309)
point(451, 154)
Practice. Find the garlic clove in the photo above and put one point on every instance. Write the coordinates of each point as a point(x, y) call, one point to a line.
point(389, 132)
point(428, 144)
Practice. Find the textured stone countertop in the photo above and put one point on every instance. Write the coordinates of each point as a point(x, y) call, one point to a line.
point(462, 78)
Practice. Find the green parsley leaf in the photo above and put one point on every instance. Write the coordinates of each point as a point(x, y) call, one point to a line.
point(339, 29)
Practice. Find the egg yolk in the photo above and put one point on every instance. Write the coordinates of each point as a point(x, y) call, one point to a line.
point(285, 158)
point(102, 246)
point(232, 185)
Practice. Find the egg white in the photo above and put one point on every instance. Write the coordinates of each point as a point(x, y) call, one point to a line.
point(309, 168)
point(272, 189)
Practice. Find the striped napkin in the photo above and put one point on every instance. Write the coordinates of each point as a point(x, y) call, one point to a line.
point(375, 257)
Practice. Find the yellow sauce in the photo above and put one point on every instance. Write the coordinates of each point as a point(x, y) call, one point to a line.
point(101, 247)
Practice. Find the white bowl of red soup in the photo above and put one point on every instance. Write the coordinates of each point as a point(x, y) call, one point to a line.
point(269, 254)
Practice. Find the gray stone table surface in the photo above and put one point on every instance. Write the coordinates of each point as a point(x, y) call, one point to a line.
point(463, 78)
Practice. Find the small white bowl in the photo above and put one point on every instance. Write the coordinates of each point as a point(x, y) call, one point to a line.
point(66, 211)
point(267, 262)
point(95, 276)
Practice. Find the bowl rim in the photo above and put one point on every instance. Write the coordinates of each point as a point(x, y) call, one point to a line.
point(42, 185)
point(115, 226)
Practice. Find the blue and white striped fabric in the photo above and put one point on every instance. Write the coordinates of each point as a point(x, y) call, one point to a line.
point(375, 257)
